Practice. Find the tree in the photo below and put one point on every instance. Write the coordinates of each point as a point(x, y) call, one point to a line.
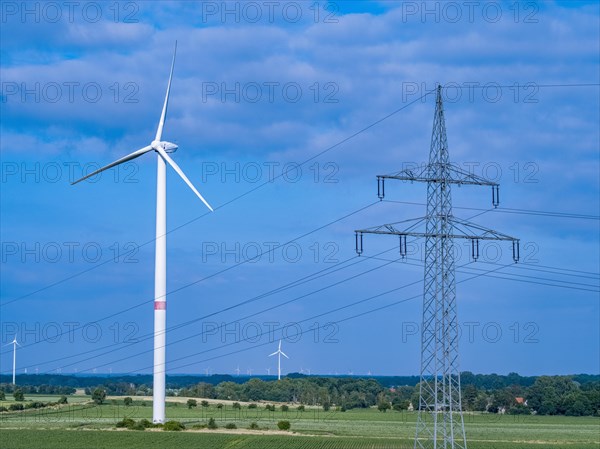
point(62, 400)
point(204, 404)
point(284, 408)
point(383, 405)
point(191, 403)
point(469, 396)
point(18, 395)
point(128, 401)
point(99, 395)
point(2, 395)
point(284, 425)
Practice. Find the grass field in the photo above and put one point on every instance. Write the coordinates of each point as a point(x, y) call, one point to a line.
point(81, 424)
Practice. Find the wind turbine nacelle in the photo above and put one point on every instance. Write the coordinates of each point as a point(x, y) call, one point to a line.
point(169, 147)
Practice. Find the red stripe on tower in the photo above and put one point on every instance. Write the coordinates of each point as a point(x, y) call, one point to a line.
point(160, 305)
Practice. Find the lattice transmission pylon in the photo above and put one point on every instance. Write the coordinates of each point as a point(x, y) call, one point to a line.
point(440, 421)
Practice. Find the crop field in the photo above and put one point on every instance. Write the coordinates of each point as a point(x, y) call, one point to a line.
point(82, 423)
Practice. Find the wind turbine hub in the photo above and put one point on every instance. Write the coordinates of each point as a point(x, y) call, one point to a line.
point(168, 147)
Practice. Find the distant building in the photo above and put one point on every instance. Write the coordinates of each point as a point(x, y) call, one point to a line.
point(521, 401)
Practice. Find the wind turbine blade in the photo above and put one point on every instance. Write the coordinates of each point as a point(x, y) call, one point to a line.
point(275, 353)
point(172, 163)
point(161, 123)
point(283, 354)
point(127, 158)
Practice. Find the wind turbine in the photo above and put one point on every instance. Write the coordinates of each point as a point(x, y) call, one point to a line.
point(279, 353)
point(162, 148)
point(268, 371)
point(15, 344)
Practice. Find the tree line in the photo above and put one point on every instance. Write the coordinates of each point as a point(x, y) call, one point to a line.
point(577, 395)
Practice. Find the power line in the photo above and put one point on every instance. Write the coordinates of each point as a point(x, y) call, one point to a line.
point(270, 181)
point(214, 274)
point(512, 211)
point(358, 315)
point(276, 306)
point(461, 269)
point(536, 278)
point(262, 296)
point(366, 128)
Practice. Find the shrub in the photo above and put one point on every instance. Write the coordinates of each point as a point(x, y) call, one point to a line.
point(284, 408)
point(144, 422)
point(301, 408)
point(138, 426)
point(127, 401)
point(219, 406)
point(236, 405)
point(35, 404)
point(270, 407)
point(14, 407)
point(253, 426)
point(173, 426)
point(127, 423)
point(230, 426)
point(191, 403)
point(204, 404)
point(253, 405)
point(3, 409)
point(2, 395)
point(212, 424)
point(199, 426)
point(284, 425)
point(62, 400)
point(326, 406)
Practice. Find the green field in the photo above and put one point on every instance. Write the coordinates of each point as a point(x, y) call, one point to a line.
point(82, 424)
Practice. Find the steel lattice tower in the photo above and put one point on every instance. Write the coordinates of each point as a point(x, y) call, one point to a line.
point(440, 421)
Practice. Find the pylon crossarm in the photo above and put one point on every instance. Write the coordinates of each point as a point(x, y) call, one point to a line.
point(474, 231)
point(392, 228)
point(457, 229)
point(461, 230)
point(431, 173)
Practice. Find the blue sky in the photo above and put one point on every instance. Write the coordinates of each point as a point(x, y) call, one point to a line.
point(271, 107)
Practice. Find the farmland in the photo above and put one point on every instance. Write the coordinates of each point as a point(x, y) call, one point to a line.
point(81, 423)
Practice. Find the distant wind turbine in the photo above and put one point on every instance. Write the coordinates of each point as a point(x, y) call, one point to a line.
point(268, 371)
point(15, 344)
point(237, 370)
point(162, 148)
point(279, 353)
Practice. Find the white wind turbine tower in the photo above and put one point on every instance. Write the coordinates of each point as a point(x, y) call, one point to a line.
point(279, 353)
point(15, 344)
point(162, 148)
